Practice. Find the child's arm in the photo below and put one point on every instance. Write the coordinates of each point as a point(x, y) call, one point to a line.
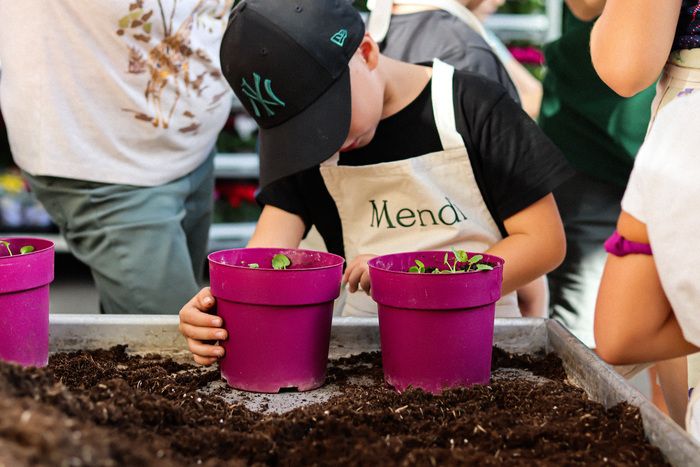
point(631, 42)
point(533, 298)
point(275, 228)
point(634, 322)
point(534, 246)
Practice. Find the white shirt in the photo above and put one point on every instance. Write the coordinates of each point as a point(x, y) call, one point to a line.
point(112, 91)
point(664, 193)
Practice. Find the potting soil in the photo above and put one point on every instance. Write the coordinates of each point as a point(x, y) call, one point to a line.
point(107, 407)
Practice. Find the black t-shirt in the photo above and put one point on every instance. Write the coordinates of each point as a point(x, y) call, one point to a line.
point(514, 163)
point(425, 35)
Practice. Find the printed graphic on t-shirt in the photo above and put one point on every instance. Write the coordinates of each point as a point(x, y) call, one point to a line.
point(162, 51)
point(386, 215)
point(688, 30)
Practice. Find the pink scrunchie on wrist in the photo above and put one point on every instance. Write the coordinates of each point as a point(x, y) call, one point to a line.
point(619, 246)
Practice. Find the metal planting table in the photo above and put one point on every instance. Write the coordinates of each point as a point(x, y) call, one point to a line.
point(355, 335)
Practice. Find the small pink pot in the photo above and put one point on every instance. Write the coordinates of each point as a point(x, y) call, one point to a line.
point(24, 301)
point(436, 330)
point(278, 321)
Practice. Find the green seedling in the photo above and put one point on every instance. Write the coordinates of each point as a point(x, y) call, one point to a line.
point(280, 261)
point(24, 250)
point(460, 256)
point(419, 267)
point(253, 265)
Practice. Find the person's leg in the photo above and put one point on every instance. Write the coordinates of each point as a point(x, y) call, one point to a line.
point(673, 380)
point(131, 238)
point(589, 210)
point(198, 213)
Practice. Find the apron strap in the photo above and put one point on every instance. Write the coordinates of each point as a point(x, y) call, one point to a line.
point(443, 106)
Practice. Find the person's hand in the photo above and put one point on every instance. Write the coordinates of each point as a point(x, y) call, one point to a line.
point(357, 273)
point(200, 327)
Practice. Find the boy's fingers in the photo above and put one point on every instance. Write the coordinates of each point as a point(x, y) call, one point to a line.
point(204, 360)
point(195, 317)
point(364, 282)
point(205, 350)
point(354, 279)
point(348, 270)
point(203, 300)
point(203, 333)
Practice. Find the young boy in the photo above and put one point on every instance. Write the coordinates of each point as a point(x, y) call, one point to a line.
point(380, 155)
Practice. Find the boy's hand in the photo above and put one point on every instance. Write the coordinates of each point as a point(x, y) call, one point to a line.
point(357, 273)
point(198, 325)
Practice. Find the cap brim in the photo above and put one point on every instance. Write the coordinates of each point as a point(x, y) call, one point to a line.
point(308, 138)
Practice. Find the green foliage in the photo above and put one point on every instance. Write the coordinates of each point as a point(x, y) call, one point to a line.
point(24, 250)
point(253, 265)
point(280, 261)
point(419, 267)
point(459, 257)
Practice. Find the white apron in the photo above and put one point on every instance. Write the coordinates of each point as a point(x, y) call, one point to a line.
point(429, 202)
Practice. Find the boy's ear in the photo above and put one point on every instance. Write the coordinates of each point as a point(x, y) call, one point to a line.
point(369, 51)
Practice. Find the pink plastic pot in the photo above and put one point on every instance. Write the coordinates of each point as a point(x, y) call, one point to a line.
point(24, 301)
point(436, 330)
point(279, 321)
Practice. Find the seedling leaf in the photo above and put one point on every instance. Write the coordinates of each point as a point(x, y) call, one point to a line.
point(280, 261)
point(461, 255)
point(475, 259)
point(7, 245)
point(483, 267)
point(26, 249)
point(436, 271)
point(419, 267)
point(253, 265)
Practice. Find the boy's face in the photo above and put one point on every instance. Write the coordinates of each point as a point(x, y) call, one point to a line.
point(367, 91)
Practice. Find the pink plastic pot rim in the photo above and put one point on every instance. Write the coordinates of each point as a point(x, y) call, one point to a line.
point(338, 259)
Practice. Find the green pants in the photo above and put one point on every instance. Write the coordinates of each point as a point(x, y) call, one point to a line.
point(145, 246)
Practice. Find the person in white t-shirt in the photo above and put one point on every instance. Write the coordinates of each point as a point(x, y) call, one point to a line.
point(648, 300)
point(112, 111)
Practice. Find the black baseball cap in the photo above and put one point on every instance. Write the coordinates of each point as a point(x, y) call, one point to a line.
point(287, 61)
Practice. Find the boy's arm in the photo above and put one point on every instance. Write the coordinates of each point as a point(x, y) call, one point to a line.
point(634, 322)
point(631, 42)
point(534, 246)
point(533, 298)
point(275, 228)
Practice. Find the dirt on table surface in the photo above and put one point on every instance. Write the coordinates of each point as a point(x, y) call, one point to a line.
point(107, 407)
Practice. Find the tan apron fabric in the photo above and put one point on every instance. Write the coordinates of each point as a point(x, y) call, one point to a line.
point(429, 202)
point(681, 74)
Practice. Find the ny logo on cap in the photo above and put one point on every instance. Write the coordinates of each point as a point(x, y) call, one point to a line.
point(339, 37)
point(256, 97)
